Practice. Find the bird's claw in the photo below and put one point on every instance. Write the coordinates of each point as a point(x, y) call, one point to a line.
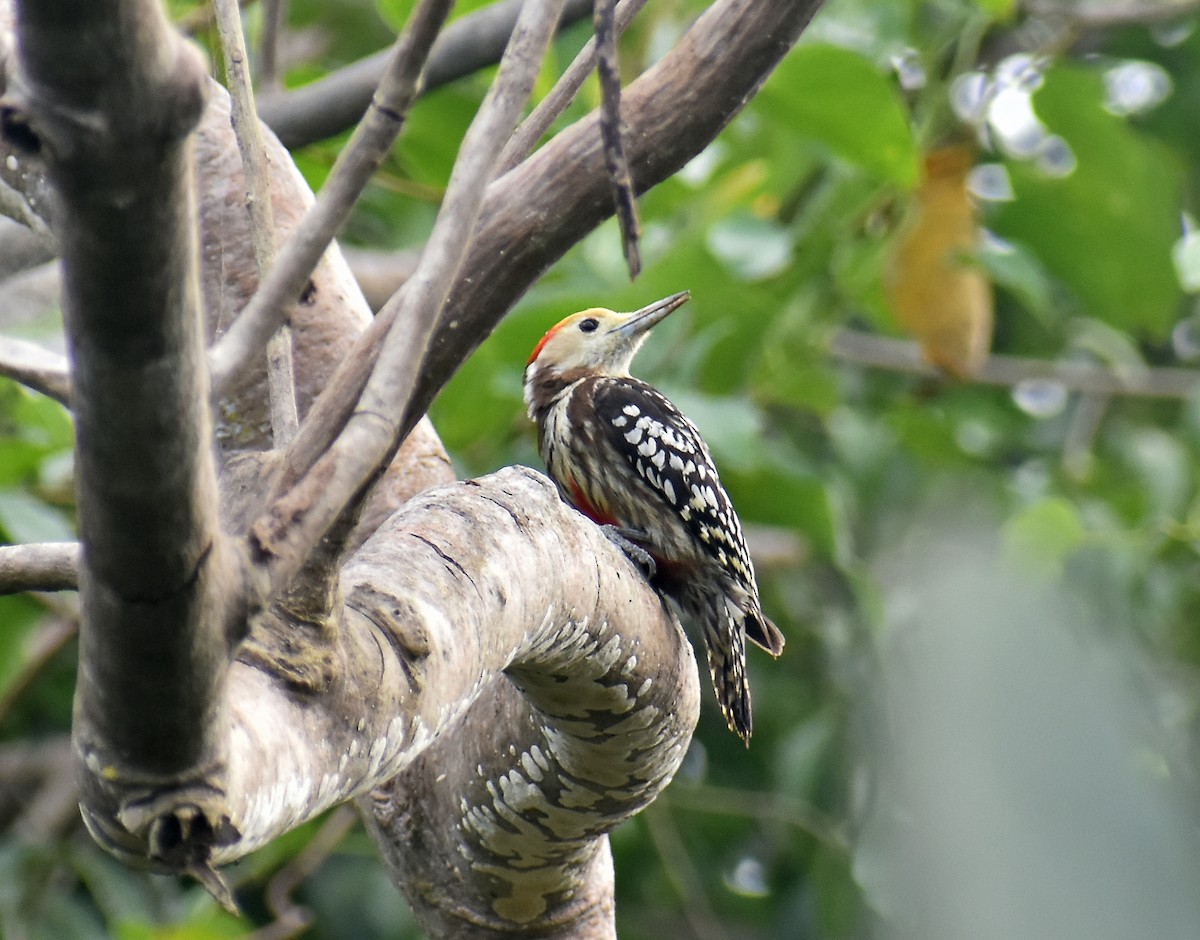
point(634, 552)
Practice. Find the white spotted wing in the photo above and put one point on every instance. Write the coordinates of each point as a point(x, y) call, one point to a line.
point(669, 455)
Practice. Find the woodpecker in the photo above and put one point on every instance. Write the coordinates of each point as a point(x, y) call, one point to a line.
point(626, 457)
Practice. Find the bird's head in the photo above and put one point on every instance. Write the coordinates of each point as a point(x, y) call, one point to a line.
point(597, 341)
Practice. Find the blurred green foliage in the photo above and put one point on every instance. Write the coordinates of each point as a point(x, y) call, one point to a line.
point(845, 474)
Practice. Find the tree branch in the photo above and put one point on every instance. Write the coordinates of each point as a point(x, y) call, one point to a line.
point(110, 103)
point(36, 368)
point(281, 383)
point(39, 566)
point(550, 108)
point(451, 607)
point(334, 103)
point(274, 23)
point(612, 134)
point(534, 213)
point(308, 507)
point(900, 355)
point(355, 165)
point(594, 683)
point(325, 324)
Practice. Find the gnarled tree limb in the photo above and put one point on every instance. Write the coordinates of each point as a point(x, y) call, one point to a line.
point(439, 637)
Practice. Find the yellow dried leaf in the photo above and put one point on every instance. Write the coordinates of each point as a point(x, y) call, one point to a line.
point(936, 289)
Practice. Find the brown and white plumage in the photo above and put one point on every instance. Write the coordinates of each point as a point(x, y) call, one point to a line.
point(625, 456)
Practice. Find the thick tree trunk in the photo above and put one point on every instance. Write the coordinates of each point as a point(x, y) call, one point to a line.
point(159, 583)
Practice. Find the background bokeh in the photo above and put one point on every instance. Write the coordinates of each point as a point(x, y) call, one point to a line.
point(985, 721)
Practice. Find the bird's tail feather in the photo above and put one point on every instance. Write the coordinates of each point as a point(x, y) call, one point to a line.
point(762, 631)
point(725, 641)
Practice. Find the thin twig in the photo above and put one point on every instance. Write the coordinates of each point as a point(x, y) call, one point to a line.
point(16, 206)
point(1103, 15)
point(274, 22)
point(340, 478)
point(1085, 424)
point(291, 919)
point(392, 380)
point(683, 874)
point(200, 18)
point(281, 383)
point(37, 368)
point(550, 108)
point(50, 640)
point(39, 566)
point(898, 355)
point(248, 132)
point(611, 133)
point(550, 201)
point(371, 141)
point(772, 809)
point(281, 387)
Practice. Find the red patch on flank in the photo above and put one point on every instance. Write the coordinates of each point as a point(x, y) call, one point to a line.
point(671, 575)
point(584, 505)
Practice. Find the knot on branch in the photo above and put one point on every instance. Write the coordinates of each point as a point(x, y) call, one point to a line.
point(300, 653)
point(174, 830)
point(97, 119)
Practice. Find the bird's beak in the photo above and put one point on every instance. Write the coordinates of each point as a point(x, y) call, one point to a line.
point(641, 321)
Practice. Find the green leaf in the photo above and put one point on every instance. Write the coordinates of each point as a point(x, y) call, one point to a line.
point(394, 12)
point(429, 145)
point(840, 98)
point(1186, 257)
point(1107, 228)
point(785, 497)
point(33, 428)
point(1159, 464)
point(999, 10)
point(1041, 537)
point(1016, 269)
point(732, 427)
point(751, 248)
point(24, 518)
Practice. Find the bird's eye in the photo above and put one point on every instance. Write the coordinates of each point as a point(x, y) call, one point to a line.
point(589, 325)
